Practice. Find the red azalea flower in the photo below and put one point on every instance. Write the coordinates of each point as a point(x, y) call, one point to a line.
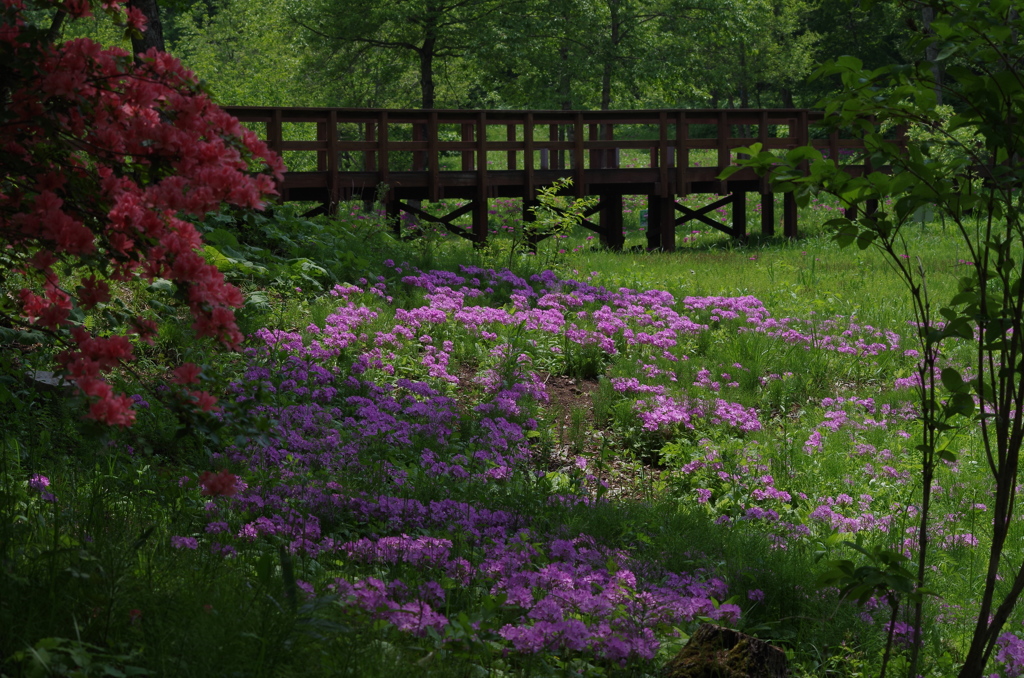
point(218, 484)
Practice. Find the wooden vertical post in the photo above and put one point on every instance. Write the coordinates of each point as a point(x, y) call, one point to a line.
point(661, 223)
point(369, 160)
point(682, 153)
point(557, 157)
point(333, 178)
point(321, 156)
point(383, 156)
point(433, 159)
point(274, 134)
point(611, 221)
point(596, 156)
point(739, 215)
point(789, 228)
point(467, 155)
point(762, 136)
point(664, 190)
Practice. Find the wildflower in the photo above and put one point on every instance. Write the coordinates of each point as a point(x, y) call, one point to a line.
point(184, 543)
point(38, 482)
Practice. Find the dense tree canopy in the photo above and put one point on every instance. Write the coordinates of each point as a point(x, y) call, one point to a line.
point(585, 54)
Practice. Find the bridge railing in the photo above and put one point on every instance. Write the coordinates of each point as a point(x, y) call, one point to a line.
point(374, 145)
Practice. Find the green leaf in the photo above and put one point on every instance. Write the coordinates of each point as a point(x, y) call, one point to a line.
point(952, 380)
point(948, 50)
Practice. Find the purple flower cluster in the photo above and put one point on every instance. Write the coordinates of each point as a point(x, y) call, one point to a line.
point(379, 406)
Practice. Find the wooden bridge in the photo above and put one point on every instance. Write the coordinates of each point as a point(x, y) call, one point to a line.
point(403, 157)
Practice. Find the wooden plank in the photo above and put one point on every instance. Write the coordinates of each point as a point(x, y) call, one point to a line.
point(663, 159)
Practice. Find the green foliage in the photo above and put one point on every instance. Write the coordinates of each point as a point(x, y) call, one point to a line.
point(963, 162)
point(75, 659)
point(248, 54)
point(281, 250)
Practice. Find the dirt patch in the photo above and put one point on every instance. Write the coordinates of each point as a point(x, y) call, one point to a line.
point(570, 413)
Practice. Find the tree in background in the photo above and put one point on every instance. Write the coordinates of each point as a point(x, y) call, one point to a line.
point(750, 53)
point(249, 53)
point(571, 54)
point(427, 32)
point(580, 54)
point(103, 158)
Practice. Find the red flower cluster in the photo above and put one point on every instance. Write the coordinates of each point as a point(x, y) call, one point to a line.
point(102, 161)
point(218, 484)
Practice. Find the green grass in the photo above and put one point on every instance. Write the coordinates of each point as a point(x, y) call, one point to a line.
point(91, 579)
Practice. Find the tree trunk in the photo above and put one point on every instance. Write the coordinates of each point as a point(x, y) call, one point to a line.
point(427, 73)
point(153, 36)
point(609, 58)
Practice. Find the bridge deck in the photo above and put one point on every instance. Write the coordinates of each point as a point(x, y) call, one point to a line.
point(404, 156)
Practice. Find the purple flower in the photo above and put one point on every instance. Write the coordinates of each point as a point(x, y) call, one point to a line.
point(184, 543)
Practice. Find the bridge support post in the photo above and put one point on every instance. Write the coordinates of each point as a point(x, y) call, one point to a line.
point(789, 216)
point(739, 215)
point(768, 214)
point(661, 223)
point(611, 221)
